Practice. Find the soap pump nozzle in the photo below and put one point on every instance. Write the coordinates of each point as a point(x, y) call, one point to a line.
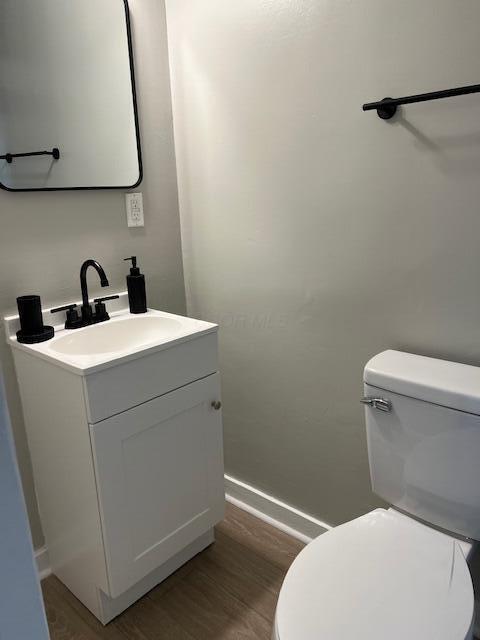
point(134, 270)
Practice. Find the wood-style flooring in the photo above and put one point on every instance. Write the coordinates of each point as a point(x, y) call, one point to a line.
point(227, 592)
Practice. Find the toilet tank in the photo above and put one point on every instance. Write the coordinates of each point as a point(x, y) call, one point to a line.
point(423, 433)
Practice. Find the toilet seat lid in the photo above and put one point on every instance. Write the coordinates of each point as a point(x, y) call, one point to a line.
point(380, 576)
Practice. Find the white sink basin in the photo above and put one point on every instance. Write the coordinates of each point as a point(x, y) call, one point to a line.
point(122, 335)
point(122, 338)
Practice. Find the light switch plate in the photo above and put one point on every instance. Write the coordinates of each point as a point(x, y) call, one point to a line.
point(135, 210)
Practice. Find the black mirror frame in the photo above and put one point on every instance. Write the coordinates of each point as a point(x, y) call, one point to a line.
point(137, 127)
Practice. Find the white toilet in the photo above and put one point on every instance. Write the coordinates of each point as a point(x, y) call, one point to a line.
point(401, 573)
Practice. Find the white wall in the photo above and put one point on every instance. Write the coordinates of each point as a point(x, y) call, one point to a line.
point(46, 236)
point(316, 234)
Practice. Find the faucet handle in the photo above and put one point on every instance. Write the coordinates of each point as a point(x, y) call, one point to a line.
point(72, 321)
point(101, 310)
point(67, 307)
point(104, 299)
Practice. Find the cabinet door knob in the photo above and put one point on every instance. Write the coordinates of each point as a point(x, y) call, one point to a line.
point(217, 405)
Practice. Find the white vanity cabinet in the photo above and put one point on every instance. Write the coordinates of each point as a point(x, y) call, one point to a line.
point(159, 479)
point(128, 465)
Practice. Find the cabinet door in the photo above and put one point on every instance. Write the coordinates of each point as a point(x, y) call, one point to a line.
point(159, 470)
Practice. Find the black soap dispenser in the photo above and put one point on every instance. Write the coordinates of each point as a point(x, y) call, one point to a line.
point(137, 296)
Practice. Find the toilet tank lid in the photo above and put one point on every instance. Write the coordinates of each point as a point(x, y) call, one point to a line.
point(449, 384)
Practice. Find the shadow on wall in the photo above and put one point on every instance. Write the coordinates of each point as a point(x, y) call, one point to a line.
point(456, 153)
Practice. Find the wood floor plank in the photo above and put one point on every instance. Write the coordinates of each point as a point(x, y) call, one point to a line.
point(208, 612)
point(244, 574)
point(227, 592)
point(276, 547)
point(64, 622)
point(145, 621)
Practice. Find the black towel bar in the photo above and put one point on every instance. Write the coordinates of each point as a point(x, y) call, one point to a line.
point(10, 156)
point(387, 107)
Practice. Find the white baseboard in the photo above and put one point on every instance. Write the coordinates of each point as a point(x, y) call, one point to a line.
point(43, 563)
point(283, 516)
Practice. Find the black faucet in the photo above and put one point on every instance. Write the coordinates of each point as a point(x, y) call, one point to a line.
point(88, 316)
point(87, 312)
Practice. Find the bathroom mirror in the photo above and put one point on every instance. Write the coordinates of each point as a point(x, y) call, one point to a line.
point(67, 94)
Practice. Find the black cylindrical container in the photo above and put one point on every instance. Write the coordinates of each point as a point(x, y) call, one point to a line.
point(30, 313)
point(32, 329)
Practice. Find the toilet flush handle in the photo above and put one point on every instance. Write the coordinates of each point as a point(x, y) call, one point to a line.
point(382, 404)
